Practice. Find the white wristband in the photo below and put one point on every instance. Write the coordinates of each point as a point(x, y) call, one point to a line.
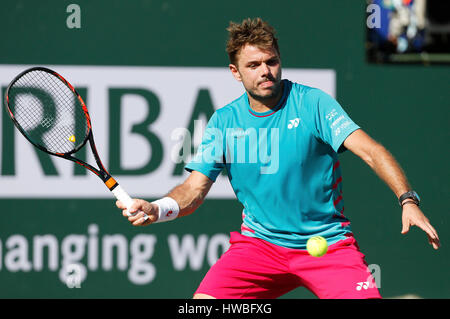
point(168, 209)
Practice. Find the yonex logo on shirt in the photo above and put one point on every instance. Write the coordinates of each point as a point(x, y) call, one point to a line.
point(293, 123)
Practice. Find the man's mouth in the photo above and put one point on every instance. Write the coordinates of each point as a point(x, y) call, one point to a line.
point(266, 84)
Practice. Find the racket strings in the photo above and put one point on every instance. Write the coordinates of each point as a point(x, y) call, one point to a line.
point(48, 111)
point(36, 123)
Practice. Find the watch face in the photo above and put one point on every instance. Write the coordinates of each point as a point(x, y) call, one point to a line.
point(416, 195)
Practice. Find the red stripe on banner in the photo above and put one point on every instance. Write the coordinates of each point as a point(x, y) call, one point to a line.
point(339, 180)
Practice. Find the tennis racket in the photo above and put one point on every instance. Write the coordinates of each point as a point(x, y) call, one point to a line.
point(52, 116)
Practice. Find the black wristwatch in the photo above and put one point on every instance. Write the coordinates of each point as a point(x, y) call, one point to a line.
point(412, 195)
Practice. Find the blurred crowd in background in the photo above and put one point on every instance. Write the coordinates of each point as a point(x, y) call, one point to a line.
point(409, 26)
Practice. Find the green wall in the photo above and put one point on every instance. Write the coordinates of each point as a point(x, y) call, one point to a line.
point(405, 107)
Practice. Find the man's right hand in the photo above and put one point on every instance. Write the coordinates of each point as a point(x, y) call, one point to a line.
point(139, 209)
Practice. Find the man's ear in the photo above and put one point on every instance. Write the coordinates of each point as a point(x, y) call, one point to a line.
point(234, 70)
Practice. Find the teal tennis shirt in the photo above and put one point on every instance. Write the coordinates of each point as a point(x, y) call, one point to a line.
point(282, 164)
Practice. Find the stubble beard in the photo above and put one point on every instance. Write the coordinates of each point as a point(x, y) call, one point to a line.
point(265, 98)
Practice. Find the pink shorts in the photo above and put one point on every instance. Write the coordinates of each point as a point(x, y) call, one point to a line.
point(255, 268)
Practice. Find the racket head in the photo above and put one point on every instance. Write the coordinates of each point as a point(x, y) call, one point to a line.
point(48, 111)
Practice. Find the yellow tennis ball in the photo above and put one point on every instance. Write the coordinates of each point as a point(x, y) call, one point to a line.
point(72, 138)
point(317, 246)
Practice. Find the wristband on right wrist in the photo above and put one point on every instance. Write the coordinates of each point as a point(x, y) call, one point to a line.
point(168, 209)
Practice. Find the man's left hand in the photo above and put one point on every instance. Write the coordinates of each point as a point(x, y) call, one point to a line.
point(413, 216)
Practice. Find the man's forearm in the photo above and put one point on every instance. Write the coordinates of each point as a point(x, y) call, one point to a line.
point(191, 194)
point(389, 170)
point(187, 200)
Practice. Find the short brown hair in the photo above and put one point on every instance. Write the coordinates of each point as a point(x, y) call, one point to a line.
point(251, 31)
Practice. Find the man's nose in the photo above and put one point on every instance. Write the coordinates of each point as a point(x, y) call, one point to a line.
point(265, 69)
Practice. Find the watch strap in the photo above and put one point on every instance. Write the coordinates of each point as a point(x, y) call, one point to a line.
point(410, 195)
point(409, 202)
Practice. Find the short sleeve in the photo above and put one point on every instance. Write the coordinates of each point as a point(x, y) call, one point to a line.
point(331, 123)
point(209, 159)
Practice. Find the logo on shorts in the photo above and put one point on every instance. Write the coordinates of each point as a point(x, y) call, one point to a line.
point(362, 285)
point(373, 280)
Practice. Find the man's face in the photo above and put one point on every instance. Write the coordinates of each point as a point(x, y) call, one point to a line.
point(259, 71)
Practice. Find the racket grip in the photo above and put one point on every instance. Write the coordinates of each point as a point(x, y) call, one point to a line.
point(123, 196)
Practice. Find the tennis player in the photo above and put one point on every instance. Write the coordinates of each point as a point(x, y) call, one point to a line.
point(279, 143)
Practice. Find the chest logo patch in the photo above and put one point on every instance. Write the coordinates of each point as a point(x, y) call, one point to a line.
point(293, 123)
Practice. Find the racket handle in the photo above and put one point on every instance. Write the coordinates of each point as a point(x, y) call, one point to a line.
point(123, 196)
